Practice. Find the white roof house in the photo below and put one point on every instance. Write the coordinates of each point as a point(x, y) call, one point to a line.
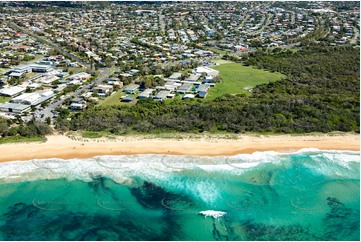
point(175, 76)
point(193, 77)
point(77, 106)
point(184, 88)
point(146, 93)
point(105, 89)
point(202, 90)
point(17, 74)
point(131, 88)
point(188, 96)
point(207, 70)
point(161, 96)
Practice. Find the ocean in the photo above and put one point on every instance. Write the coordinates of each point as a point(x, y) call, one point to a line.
point(304, 195)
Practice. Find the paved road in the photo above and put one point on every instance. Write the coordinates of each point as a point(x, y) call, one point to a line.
point(161, 20)
point(293, 15)
point(267, 22)
point(241, 25)
point(355, 35)
point(51, 44)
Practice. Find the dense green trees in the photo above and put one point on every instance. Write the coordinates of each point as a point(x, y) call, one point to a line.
point(29, 129)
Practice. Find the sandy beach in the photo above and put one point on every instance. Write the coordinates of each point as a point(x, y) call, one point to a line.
point(61, 146)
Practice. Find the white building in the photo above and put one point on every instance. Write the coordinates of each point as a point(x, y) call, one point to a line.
point(146, 93)
point(77, 106)
point(11, 91)
point(207, 70)
point(14, 108)
point(34, 98)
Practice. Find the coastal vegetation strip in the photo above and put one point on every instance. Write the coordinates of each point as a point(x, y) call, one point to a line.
point(319, 94)
point(21, 139)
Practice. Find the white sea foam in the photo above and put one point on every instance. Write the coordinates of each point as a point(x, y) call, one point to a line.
point(335, 164)
point(316, 150)
point(244, 165)
point(212, 213)
point(155, 167)
point(217, 167)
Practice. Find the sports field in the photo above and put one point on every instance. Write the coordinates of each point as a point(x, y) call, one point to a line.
point(238, 79)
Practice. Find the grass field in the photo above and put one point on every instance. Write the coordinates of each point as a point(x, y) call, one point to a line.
point(4, 99)
point(239, 79)
point(115, 99)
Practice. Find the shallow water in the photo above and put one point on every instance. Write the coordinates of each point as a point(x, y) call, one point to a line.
point(306, 195)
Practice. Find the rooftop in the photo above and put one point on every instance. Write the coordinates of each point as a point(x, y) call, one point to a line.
point(131, 87)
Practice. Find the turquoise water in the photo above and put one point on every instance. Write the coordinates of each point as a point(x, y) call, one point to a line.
point(306, 195)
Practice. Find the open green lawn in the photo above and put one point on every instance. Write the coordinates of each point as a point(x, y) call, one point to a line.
point(238, 79)
point(115, 99)
point(4, 99)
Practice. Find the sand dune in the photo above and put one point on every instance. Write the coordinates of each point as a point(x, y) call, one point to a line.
point(61, 146)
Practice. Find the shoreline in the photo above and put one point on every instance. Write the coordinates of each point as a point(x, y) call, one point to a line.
point(61, 146)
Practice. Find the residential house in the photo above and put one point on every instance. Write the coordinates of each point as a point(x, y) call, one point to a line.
point(103, 90)
point(127, 99)
point(78, 104)
point(131, 88)
point(175, 76)
point(161, 96)
point(41, 68)
point(193, 77)
point(202, 90)
point(186, 87)
point(146, 93)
